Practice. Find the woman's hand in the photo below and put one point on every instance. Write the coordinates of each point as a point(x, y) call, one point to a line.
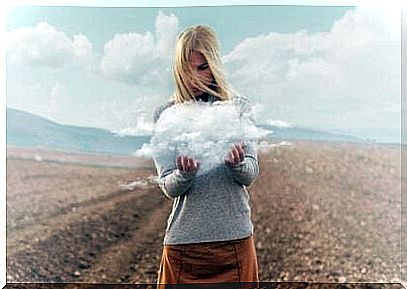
point(236, 155)
point(186, 164)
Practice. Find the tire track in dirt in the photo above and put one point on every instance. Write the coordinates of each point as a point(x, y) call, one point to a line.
point(72, 207)
point(25, 237)
point(137, 259)
point(75, 247)
point(24, 173)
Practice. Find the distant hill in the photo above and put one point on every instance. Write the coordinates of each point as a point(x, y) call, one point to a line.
point(284, 133)
point(28, 130)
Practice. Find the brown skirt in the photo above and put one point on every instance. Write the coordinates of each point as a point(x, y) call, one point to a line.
point(211, 262)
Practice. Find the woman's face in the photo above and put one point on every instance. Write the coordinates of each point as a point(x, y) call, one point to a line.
point(201, 67)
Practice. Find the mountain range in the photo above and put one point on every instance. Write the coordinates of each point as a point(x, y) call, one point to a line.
point(25, 129)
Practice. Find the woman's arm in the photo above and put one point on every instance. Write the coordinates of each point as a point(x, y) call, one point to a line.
point(174, 182)
point(246, 169)
point(175, 174)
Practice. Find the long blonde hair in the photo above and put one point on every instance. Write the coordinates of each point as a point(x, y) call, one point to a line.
point(199, 38)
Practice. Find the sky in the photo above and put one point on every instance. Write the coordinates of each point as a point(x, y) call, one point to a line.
point(335, 68)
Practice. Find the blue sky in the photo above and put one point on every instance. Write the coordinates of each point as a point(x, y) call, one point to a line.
point(100, 24)
point(329, 68)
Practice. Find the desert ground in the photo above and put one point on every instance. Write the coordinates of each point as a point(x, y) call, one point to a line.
point(322, 211)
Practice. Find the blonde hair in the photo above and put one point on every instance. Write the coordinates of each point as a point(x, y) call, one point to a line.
point(202, 39)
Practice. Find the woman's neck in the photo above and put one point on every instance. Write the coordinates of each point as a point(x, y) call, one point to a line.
point(205, 96)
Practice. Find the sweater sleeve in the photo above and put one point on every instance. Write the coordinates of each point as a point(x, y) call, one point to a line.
point(171, 181)
point(246, 171)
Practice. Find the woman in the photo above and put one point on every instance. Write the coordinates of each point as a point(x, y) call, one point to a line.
point(209, 235)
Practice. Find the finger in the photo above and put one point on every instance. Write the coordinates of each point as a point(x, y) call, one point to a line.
point(183, 162)
point(229, 158)
point(231, 155)
point(241, 152)
point(193, 165)
point(189, 164)
point(235, 152)
point(196, 165)
point(230, 161)
point(186, 163)
point(179, 163)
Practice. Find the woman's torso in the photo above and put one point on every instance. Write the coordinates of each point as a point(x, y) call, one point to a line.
point(215, 208)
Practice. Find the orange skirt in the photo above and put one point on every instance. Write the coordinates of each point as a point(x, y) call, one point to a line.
point(210, 262)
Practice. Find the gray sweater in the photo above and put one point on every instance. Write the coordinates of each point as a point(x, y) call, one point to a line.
point(213, 206)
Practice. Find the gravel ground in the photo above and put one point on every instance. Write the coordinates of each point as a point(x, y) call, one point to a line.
point(323, 212)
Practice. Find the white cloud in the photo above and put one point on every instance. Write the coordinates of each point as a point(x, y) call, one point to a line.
point(82, 47)
point(55, 96)
point(142, 127)
point(278, 123)
point(166, 28)
point(141, 64)
point(267, 146)
point(128, 118)
point(128, 56)
point(336, 79)
point(200, 130)
point(142, 59)
point(44, 45)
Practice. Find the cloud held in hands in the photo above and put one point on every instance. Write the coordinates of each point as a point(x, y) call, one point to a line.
point(200, 130)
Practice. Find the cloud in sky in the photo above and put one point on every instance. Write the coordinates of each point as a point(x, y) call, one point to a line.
point(347, 78)
point(45, 45)
point(143, 63)
point(278, 123)
point(55, 97)
point(335, 80)
point(142, 126)
point(142, 59)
